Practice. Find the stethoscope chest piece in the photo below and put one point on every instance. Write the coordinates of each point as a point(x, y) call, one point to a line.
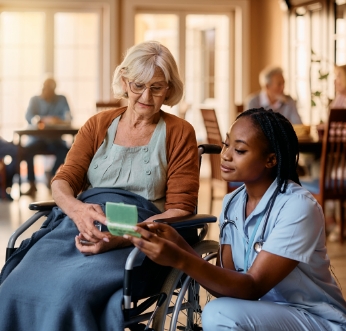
point(258, 246)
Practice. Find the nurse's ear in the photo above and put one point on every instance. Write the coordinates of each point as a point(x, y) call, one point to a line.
point(271, 161)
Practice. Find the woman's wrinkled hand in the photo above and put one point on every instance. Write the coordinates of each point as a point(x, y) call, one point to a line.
point(84, 215)
point(107, 243)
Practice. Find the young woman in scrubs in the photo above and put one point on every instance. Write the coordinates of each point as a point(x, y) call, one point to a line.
point(273, 271)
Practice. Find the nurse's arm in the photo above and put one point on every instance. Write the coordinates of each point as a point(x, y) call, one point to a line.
point(266, 272)
point(227, 263)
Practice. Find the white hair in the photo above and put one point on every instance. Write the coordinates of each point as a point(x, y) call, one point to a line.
point(140, 63)
point(267, 73)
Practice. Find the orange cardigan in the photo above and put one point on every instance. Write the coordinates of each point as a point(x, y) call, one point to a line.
point(181, 151)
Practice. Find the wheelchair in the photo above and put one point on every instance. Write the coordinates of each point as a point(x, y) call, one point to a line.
point(163, 297)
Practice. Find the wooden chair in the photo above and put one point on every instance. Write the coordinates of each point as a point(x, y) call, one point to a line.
point(214, 137)
point(332, 180)
point(239, 108)
point(104, 105)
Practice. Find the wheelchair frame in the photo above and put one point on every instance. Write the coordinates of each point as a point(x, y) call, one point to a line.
point(134, 313)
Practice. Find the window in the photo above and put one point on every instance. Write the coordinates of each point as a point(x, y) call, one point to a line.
point(310, 62)
point(35, 43)
point(204, 63)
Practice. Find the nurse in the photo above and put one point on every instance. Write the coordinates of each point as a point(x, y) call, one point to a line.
point(273, 271)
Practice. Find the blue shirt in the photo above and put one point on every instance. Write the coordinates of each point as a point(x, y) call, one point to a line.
point(295, 230)
point(38, 106)
point(286, 106)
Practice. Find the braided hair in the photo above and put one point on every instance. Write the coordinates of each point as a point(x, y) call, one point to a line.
point(282, 140)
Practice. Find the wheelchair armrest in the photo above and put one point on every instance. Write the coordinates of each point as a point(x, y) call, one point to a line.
point(197, 221)
point(43, 208)
point(42, 205)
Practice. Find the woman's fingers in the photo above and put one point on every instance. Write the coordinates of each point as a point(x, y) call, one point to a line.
point(90, 248)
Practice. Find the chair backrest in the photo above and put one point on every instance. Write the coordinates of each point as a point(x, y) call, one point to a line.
point(214, 138)
point(333, 158)
point(104, 105)
point(239, 108)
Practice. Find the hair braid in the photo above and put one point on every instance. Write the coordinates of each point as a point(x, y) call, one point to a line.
point(282, 140)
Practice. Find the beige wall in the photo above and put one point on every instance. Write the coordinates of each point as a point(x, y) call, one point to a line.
point(265, 37)
point(265, 26)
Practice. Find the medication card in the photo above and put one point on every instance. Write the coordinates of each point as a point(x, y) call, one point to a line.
point(121, 218)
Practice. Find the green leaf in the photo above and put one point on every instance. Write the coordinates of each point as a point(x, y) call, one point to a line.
point(323, 75)
point(316, 93)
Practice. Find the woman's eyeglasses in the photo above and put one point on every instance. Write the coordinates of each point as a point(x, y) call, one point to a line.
point(156, 90)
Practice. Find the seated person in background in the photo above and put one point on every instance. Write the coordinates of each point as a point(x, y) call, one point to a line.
point(47, 109)
point(273, 271)
point(136, 154)
point(9, 149)
point(340, 87)
point(272, 95)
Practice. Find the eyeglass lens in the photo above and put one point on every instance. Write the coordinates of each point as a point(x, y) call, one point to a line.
point(156, 90)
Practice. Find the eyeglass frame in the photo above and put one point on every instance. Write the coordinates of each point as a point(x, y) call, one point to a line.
point(154, 95)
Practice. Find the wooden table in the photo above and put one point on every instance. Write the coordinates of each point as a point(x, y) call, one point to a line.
point(311, 147)
point(48, 132)
point(311, 144)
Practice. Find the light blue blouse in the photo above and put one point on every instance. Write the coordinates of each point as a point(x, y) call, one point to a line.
point(141, 169)
point(295, 230)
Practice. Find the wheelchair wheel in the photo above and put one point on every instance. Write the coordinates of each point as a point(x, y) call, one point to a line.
point(185, 297)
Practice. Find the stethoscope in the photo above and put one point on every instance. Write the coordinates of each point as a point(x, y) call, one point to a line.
point(258, 244)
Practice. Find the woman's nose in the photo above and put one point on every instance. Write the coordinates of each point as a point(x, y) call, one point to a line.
point(226, 154)
point(147, 95)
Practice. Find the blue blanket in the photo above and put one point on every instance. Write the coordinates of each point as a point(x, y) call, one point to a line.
point(49, 285)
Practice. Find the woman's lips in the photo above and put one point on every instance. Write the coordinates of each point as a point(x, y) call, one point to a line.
point(226, 169)
point(144, 104)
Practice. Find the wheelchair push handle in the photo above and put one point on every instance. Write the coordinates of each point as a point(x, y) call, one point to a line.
point(210, 149)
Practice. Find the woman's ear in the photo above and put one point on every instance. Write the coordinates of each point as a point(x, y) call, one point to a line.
point(168, 94)
point(123, 84)
point(271, 160)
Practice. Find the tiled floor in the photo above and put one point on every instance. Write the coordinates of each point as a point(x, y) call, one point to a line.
point(14, 213)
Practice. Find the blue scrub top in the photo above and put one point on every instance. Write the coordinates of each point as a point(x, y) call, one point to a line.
point(295, 230)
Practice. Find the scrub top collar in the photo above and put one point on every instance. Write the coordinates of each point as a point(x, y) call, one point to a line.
point(262, 205)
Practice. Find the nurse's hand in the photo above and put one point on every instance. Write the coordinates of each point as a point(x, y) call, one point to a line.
point(162, 230)
point(160, 242)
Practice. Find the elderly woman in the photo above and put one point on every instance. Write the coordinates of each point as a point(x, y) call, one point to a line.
point(340, 87)
point(137, 154)
point(272, 95)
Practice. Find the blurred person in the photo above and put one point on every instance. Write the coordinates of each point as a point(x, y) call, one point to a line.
point(340, 87)
point(48, 108)
point(272, 95)
point(9, 149)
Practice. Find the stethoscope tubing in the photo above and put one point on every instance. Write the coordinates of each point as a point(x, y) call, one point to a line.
point(258, 244)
